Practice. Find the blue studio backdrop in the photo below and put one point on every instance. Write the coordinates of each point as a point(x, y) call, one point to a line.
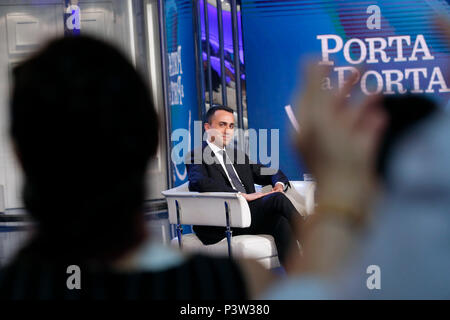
point(395, 43)
point(182, 86)
point(183, 99)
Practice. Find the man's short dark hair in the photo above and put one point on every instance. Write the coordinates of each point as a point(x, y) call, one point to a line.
point(211, 111)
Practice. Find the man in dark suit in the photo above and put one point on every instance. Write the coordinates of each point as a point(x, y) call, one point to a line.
point(219, 168)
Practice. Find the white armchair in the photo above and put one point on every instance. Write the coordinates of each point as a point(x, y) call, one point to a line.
point(224, 209)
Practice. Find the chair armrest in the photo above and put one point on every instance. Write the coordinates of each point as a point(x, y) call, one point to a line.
point(191, 194)
point(302, 194)
point(208, 208)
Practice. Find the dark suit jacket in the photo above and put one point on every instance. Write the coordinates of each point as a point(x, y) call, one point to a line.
point(205, 177)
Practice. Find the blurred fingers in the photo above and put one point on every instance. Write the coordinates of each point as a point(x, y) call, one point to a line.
point(344, 92)
point(443, 24)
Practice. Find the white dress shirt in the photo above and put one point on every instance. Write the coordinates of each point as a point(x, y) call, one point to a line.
point(218, 153)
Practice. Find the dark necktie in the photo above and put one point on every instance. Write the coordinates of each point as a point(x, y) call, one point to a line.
point(234, 178)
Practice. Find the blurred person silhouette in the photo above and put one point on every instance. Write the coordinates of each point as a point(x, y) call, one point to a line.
point(382, 226)
point(84, 127)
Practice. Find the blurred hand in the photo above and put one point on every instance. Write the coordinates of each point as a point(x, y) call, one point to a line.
point(278, 188)
point(443, 23)
point(256, 195)
point(339, 141)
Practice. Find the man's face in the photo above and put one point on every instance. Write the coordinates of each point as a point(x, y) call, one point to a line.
point(221, 128)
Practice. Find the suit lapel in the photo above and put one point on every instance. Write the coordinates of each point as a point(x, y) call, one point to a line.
point(219, 167)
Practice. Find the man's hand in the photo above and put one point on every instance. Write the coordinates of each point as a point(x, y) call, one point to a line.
point(339, 140)
point(278, 188)
point(256, 195)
